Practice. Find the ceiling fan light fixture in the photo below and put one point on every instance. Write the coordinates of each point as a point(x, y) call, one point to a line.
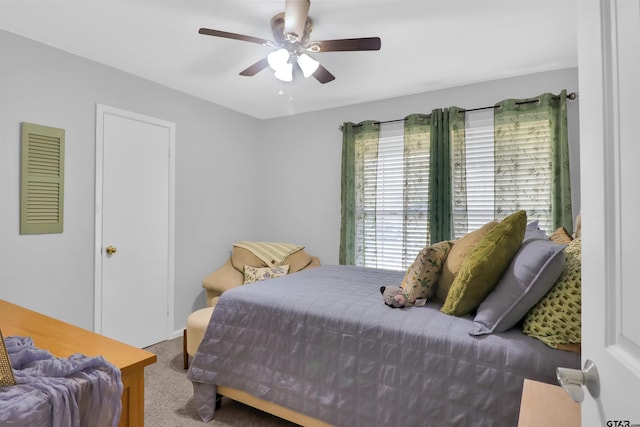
point(307, 64)
point(284, 73)
point(278, 59)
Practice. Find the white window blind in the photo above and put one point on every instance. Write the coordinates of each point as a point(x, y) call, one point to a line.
point(517, 177)
point(501, 180)
point(523, 173)
point(393, 212)
point(478, 174)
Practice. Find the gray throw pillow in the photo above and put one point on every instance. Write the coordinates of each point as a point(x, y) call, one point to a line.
point(533, 232)
point(533, 271)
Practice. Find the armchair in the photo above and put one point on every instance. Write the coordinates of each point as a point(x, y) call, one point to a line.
point(230, 274)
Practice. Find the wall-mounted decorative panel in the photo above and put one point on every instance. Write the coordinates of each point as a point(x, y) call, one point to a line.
point(42, 183)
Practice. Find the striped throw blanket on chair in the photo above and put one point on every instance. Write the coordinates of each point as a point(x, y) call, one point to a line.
point(271, 253)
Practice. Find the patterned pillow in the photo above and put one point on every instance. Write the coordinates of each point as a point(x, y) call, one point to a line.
point(556, 319)
point(483, 267)
point(561, 235)
point(422, 276)
point(253, 274)
point(577, 231)
point(6, 372)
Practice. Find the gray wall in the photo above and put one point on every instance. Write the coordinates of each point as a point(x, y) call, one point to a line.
point(237, 178)
point(54, 273)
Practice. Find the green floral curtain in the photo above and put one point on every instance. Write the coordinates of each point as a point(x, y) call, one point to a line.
point(447, 127)
point(522, 128)
point(359, 151)
point(458, 145)
point(416, 159)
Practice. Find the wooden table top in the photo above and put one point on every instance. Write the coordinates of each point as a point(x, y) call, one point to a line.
point(64, 339)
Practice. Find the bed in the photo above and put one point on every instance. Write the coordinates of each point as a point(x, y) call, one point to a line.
point(321, 343)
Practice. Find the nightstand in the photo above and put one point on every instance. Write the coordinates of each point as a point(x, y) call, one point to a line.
point(547, 405)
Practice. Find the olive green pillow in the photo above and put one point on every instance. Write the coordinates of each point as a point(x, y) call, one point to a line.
point(458, 253)
point(556, 318)
point(485, 264)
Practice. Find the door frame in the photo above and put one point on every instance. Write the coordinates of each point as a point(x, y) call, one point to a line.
point(101, 112)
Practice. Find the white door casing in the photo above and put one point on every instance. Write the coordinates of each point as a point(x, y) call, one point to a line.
point(135, 215)
point(609, 68)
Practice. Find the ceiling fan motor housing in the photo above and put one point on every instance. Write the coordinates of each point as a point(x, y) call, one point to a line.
point(292, 42)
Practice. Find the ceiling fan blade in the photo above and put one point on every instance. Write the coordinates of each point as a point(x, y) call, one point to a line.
point(255, 68)
point(323, 75)
point(226, 35)
point(343, 45)
point(296, 13)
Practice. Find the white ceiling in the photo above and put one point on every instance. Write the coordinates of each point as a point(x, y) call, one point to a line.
point(426, 44)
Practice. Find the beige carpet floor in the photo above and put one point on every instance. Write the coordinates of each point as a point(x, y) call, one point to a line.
point(168, 398)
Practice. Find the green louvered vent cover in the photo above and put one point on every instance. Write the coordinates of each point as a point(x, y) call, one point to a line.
point(42, 195)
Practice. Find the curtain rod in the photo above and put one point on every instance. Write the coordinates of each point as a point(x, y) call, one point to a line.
point(571, 96)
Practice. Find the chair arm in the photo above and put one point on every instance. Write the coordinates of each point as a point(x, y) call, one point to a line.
point(224, 278)
point(315, 262)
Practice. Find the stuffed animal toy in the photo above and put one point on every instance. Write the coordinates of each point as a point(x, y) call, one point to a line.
point(394, 296)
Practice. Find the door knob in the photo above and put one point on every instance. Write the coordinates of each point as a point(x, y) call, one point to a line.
point(111, 250)
point(572, 380)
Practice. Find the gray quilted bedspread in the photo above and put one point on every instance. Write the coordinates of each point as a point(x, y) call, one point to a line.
point(322, 342)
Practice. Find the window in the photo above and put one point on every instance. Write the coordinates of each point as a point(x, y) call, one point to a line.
point(518, 176)
point(391, 197)
point(473, 178)
point(391, 205)
point(490, 179)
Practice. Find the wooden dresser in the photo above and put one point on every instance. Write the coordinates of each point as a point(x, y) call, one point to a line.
point(63, 339)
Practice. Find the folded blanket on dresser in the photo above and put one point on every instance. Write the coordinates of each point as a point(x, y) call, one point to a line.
point(59, 392)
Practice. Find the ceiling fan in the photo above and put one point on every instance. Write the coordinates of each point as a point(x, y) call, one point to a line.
point(291, 30)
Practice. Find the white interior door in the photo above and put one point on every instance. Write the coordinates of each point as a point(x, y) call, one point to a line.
point(134, 225)
point(609, 68)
